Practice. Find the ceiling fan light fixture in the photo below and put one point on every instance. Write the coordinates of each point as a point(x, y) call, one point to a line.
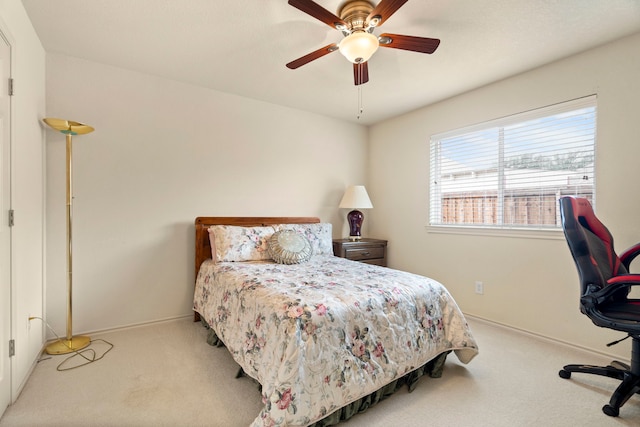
point(359, 46)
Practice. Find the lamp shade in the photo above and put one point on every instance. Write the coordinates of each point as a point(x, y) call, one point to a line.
point(358, 46)
point(356, 197)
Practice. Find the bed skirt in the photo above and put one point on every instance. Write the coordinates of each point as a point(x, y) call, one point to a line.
point(432, 368)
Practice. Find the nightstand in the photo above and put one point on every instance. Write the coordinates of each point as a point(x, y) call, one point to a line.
point(371, 251)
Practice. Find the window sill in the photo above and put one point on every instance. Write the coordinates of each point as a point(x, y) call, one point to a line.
point(520, 233)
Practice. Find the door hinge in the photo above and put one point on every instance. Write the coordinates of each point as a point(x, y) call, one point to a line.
point(11, 217)
point(10, 86)
point(12, 348)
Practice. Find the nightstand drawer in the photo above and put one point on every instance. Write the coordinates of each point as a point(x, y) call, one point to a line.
point(371, 251)
point(362, 253)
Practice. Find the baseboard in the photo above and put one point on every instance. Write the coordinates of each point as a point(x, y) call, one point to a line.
point(130, 326)
point(549, 339)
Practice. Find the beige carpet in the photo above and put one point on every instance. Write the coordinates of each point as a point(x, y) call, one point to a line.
point(166, 375)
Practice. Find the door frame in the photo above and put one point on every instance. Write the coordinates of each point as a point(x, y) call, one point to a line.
point(8, 316)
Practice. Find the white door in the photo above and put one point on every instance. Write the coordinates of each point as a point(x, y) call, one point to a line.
point(5, 231)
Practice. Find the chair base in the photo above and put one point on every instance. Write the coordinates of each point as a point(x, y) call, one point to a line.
point(629, 386)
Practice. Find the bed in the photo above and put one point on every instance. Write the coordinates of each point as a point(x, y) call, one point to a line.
point(325, 337)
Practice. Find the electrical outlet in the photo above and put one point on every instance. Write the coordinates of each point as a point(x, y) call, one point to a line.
point(479, 288)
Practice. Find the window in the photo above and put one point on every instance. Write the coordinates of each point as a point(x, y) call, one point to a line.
point(510, 172)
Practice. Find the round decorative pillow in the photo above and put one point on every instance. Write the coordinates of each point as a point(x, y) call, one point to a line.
point(289, 247)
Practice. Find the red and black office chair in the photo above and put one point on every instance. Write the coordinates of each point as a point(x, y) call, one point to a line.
point(605, 283)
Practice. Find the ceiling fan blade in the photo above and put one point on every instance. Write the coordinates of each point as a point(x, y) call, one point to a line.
point(412, 43)
point(312, 56)
point(385, 9)
point(311, 8)
point(360, 73)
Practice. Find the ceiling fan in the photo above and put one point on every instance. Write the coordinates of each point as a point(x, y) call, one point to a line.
point(357, 21)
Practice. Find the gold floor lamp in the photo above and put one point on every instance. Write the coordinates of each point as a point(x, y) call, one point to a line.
point(69, 343)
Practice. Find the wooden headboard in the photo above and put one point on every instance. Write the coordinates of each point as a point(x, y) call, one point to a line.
point(203, 247)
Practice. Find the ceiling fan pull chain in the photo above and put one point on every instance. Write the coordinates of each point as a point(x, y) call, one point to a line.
point(360, 107)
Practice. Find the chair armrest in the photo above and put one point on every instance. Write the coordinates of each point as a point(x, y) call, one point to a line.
point(628, 279)
point(595, 295)
point(629, 255)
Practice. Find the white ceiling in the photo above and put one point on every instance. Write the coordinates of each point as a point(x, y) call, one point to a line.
point(242, 46)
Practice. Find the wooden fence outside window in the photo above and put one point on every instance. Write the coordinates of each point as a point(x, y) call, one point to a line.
point(519, 208)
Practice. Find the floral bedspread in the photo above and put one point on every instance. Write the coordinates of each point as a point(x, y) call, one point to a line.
point(322, 334)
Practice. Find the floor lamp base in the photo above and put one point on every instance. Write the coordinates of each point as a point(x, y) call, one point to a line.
point(64, 346)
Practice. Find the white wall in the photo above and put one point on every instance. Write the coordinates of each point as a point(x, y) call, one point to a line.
point(165, 152)
point(28, 160)
point(530, 284)
point(162, 154)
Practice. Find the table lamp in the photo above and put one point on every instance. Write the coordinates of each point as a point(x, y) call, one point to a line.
point(355, 197)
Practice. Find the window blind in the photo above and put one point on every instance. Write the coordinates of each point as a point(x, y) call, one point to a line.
point(510, 172)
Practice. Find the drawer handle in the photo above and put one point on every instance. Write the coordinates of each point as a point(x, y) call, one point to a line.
point(366, 253)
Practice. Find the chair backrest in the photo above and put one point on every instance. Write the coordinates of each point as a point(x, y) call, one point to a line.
point(590, 242)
